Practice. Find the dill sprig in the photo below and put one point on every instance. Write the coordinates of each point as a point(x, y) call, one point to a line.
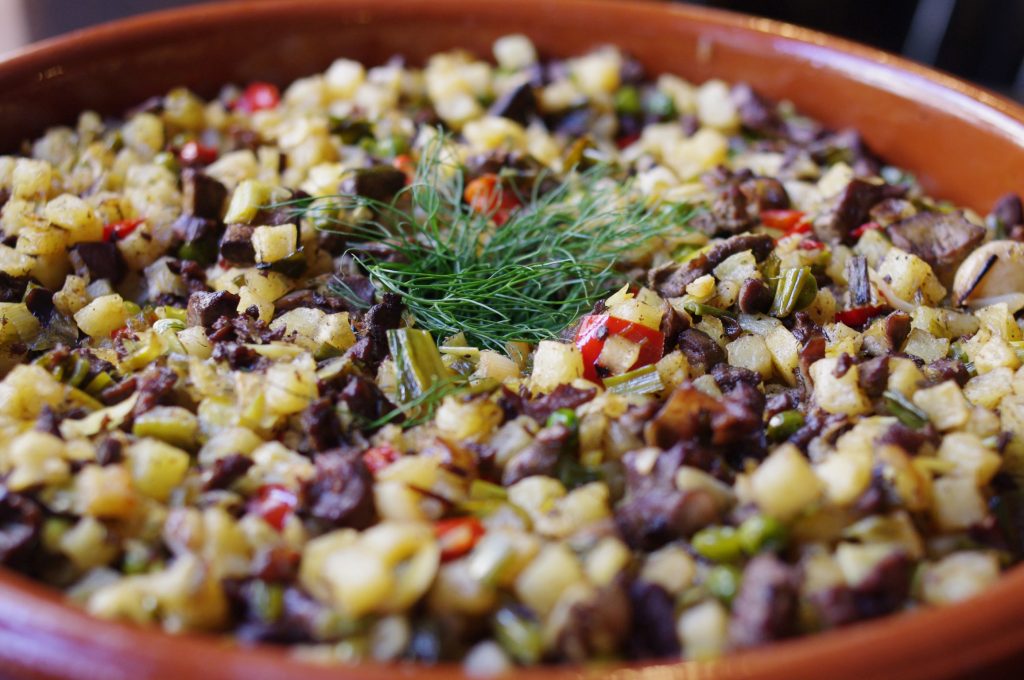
point(524, 281)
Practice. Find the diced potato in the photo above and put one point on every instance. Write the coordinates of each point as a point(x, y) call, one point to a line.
point(17, 323)
point(41, 240)
point(944, 404)
point(72, 214)
point(784, 484)
point(970, 457)
point(838, 395)
point(751, 352)
point(34, 458)
point(144, 134)
point(911, 278)
point(87, 544)
point(704, 630)
point(494, 132)
point(858, 561)
point(275, 243)
point(926, 346)
point(27, 389)
point(336, 331)
point(248, 298)
point(554, 364)
point(32, 179)
point(988, 390)
point(246, 200)
point(606, 561)
point(995, 353)
point(543, 581)
point(998, 320)
point(475, 419)
point(102, 316)
point(715, 107)
point(290, 387)
point(846, 475)
point(496, 366)
point(959, 576)
point(670, 567)
point(157, 468)
point(300, 325)
point(957, 503)
point(785, 351)
point(514, 52)
point(14, 263)
point(105, 492)
point(597, 73)
point(904, 376)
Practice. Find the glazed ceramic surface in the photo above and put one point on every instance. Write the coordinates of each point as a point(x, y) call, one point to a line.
point(964, 144)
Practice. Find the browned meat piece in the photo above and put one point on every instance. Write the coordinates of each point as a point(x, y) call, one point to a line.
point(236, 245)
point(851, 209)
point(373, 346)
point(320, 421)
point(110, 451)
point(765, 609)
point(518, 104)
point(757, 114)
point(97, 260)
point(12, 288)
point(766, 193)
point(540, 457)
point(155, 385)
point(671, 280)
point(20, 523)
point(942, 240)
point(690, 414)
point(341, 491)
point(563, 396)
point(653, 634)
point(655, 515)
point(365, 399)
point(226, 471)
point(873, 376)
point(595, 626)
point(1008, 211)
point(700, 350)
point(941, 370)
point(379, 183)
point(205, 308)
point(202, 195)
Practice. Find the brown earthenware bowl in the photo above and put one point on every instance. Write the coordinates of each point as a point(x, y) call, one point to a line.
point(963, 143)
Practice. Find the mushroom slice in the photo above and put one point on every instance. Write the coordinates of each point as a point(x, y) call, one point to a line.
point(993, 273)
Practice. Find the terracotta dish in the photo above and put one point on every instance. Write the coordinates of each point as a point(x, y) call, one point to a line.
point(963, 144)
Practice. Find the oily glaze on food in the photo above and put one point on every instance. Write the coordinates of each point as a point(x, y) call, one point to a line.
point(221, 411)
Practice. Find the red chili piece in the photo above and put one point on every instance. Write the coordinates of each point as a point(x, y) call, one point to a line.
point(194, 153)
point(379, 457)
point(486, 196)
point(594, 332)
point(457, 536)
point(120, 230)
point(258, 97)
point(858, 316)
point(865, 228)
point(274, 503)
point(788, 221)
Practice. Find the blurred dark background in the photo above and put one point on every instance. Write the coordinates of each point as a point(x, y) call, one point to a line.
point(980, 40)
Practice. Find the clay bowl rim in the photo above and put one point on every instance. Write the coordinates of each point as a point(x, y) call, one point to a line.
point(38, 617)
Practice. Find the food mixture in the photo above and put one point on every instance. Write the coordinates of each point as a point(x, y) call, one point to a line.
point(501, 363)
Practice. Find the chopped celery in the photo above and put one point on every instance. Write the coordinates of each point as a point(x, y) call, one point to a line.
point(519, 635)
point(99, 383)
point(481, 490)
point(418, 363)
point(796, 289)
point(904, 410)
point(700, 309)
point(168, 312)
point(782, 425)
point(641, 381)
point(78, 372)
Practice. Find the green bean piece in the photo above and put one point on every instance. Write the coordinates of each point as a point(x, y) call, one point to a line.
point(79, 371)
point(519, 636)
point(700, 309)
point(761, 532)
point(718, 544)
point(782, 426)
point(723, 582)
point(566, 417)
point(266, 600)
point(904, 410)
point(481, 490)
point(627, 100)
point(417, 362)
point(796, 290)
point(167, 160)
point(644, 380)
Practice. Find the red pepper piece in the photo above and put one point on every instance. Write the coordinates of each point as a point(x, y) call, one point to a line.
point(194, 153)
point(865, 228)
point(120, 230)
point(594, 331)
point(258, 97)
point(457, 536)
point(486, 196)
point(788, 221)
point(811, 244)
point(379, 457)
point(405, 163)
point(274, 503)
point(858, 316)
